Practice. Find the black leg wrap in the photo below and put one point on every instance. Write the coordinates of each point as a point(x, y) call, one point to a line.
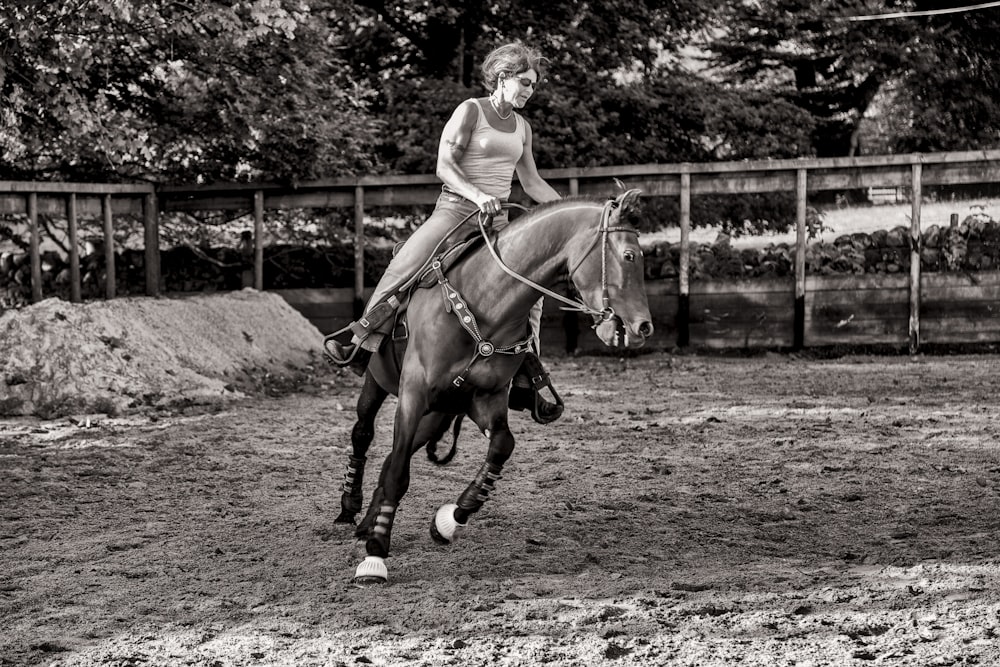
point(351, 500)
point(478, 492)
point(525, 390)
point(378, 543)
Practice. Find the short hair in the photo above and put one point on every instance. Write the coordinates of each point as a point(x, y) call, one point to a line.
point(511, 59)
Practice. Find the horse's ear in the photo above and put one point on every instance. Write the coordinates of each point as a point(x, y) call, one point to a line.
point(624, 201)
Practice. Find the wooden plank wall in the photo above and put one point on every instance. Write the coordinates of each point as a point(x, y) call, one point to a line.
point(786, 313)
point(960, 307)
point(743, 314)
point(856, 310)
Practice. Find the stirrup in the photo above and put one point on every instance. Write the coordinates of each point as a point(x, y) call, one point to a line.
point(353, 357)
point(525, 392)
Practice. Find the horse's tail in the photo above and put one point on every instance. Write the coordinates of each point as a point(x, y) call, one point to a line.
point(436, 438)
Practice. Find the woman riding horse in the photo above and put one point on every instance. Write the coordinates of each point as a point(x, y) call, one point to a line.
point(467, 336)
point(481, 147)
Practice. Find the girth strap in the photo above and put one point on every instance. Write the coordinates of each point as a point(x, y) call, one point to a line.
point(454, 303)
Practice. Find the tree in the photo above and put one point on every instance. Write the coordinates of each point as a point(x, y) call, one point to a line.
point(935, 70)
point(166, 91)
point(593, 107)
point(948, 95)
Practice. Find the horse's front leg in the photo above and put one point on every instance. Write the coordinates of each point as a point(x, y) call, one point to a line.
point(393, 485)
point(431, 428)
point(489, 411)
point(370, 401)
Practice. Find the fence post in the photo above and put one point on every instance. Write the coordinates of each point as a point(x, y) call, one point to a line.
point(74, 249)
point(258, 240)
point(915, 181)
point(109, 248)
point(151, 226)
point(359, 250)
point(34, 248)
point(574, 186)
point(683, 271)
point(799, 324)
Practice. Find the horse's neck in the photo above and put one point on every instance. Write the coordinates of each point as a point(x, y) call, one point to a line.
point(535, 248)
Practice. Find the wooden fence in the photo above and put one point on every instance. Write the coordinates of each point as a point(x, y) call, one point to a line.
point(799, 312)
point(73, 200)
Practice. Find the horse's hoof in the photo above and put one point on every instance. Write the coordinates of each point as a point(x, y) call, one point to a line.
point(371, 571)
point(346, 518)
point(444, 528)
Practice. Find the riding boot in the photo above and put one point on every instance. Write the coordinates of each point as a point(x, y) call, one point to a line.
point(352, 356)
point(368, 334)
point(525, 390)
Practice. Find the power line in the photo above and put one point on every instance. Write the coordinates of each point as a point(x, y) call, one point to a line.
point(929, 12)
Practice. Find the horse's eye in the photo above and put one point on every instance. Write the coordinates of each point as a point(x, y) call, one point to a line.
point(629, 255)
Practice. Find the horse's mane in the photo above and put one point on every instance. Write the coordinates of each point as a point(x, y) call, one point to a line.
point(556, 203)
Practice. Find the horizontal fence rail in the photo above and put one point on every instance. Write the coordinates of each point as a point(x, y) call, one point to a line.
point(794, 326)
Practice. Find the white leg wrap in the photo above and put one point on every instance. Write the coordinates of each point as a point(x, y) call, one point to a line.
point(445, 522)
point(372, 567)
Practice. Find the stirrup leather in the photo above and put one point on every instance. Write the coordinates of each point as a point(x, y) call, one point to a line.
point(353, 356)
point(375, 318)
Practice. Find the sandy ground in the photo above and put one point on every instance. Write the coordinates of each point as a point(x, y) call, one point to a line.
point(688, 510)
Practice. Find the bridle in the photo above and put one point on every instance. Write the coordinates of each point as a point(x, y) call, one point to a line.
point(607, 312)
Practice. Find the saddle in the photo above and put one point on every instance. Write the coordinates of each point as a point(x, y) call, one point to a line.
point(355, 358)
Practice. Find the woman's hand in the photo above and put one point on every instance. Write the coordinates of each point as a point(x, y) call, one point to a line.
point(488, 204)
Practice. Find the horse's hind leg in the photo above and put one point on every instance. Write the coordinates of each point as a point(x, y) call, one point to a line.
point(490, 414)
point(369, 402)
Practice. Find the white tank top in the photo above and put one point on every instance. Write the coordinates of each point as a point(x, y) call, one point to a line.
point(491, 156)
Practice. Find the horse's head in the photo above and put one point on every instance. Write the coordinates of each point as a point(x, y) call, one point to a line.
point(607, 269)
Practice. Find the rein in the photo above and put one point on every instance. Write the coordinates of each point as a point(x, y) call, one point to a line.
point(607, 312)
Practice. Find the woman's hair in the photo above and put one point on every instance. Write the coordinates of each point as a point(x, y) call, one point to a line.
point(511, 59)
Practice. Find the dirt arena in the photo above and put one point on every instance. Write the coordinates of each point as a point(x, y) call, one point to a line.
point(689, 510)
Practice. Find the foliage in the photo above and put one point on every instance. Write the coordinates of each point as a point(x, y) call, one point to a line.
point(172, 92)
point(811, 55)
point(950, 91)
point(296, 90)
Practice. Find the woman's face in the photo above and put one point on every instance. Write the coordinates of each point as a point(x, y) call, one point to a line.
point(517, 88)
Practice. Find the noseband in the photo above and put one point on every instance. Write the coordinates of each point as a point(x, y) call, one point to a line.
point(607, 312)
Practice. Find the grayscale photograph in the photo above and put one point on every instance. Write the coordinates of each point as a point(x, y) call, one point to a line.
point(338, 333)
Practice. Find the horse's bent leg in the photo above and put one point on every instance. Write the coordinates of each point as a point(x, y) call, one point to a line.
point(369, 402)
point(393, 484)
point(490, 415)
point(432, 428)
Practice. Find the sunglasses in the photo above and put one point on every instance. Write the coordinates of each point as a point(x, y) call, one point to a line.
point(525, 81)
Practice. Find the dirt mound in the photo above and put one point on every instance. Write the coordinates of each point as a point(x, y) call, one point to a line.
point(58, 358)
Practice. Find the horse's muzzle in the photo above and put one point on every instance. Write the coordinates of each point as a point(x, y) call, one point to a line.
point(616, 332)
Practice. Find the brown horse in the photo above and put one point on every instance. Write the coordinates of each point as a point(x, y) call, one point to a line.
point(466, 339)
